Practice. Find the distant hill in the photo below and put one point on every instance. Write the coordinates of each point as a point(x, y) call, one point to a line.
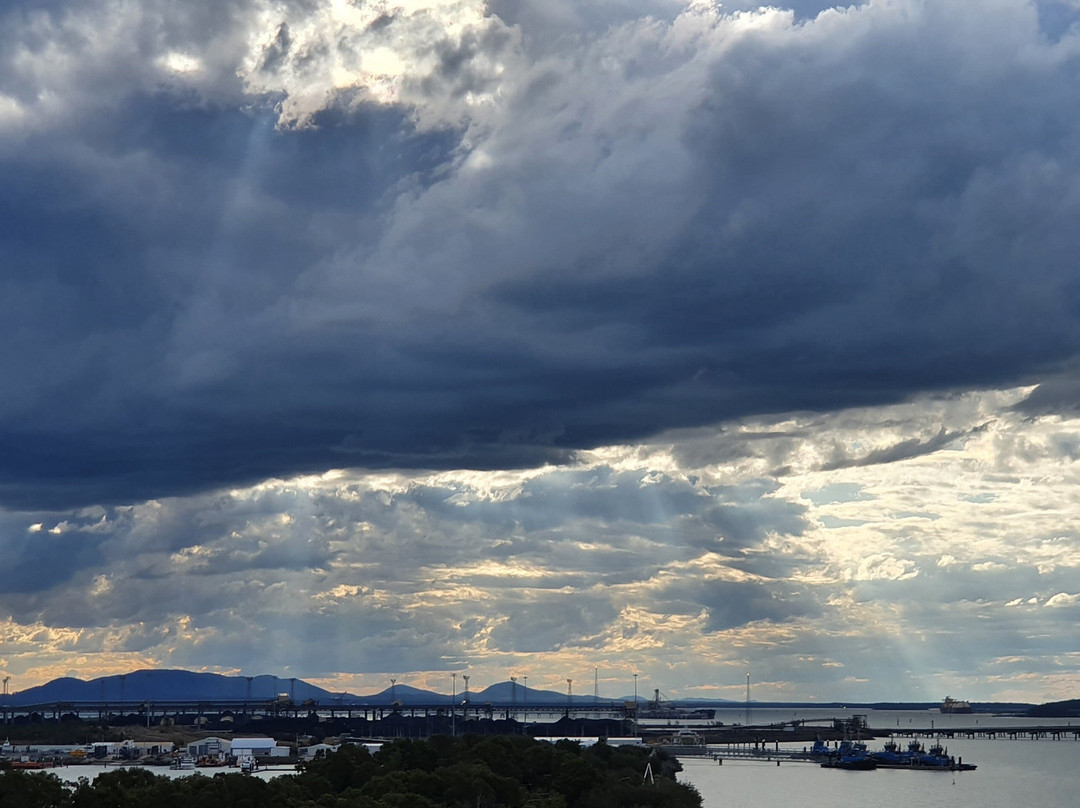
point(1056, 709)
point(167, 685)
point(181, 685)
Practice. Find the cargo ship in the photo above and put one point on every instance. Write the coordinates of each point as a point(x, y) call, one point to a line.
point(955, 706)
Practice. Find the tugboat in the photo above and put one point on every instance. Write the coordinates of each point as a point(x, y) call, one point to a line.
point(850, 755)
point(918, 757)
point(890, 756)
point(938, 758)
point(935, 758)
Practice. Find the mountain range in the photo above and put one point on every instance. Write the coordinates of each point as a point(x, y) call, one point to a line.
point(182, 685)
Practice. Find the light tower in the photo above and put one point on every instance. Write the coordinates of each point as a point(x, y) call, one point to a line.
point(748, 699)
point(393, 691)
point(453, 703)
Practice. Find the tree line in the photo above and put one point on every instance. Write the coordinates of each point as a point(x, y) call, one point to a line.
point(441, 772)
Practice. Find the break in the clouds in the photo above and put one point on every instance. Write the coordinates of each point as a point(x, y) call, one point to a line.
point(479, 256)
point(688, 560)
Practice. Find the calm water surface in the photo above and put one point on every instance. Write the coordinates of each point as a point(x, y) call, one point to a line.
point(1011, 774)
point(71, 774)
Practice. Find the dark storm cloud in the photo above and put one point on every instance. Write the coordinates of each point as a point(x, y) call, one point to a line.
point(512, 262)
point(1060, 393)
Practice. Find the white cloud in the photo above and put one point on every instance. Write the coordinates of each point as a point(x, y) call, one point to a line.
point(442, 58)
point(495, 567)
point(728, 213)
point(1062, 599)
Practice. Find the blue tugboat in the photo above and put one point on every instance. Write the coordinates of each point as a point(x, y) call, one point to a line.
point(850, 755)
point(916, 756)
point(890, 756)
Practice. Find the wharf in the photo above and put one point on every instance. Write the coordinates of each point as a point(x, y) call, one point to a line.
point(763, 743)
point(786, 732)
point(276, 708)
point(856, 728)
point(760, 753)
point(1055, 732)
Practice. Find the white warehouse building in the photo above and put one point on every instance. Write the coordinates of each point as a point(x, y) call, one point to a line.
point(257, 748)
point(237, 747)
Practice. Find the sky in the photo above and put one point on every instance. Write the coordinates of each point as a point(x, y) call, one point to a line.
point(351, 340)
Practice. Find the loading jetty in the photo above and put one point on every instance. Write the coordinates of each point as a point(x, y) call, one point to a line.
point(742, 736)
point(854, 728)
point(776, 742)
point(1055, 732)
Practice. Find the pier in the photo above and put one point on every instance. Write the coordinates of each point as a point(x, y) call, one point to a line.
point(763, 743)
point(103, 710)
point(744, 740)
point(741, 753)
point(1055, 732)
point(774, 742)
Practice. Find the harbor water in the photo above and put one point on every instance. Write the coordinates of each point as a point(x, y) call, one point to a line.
point(89, 771)
point(1039, 773)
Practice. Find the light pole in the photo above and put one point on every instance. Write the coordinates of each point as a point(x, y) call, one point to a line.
point(453, 705)
point(525, 701)
point(748, 699)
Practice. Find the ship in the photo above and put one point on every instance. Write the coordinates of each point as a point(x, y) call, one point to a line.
point(850, 755)
point(916, 756)
point(951, 705)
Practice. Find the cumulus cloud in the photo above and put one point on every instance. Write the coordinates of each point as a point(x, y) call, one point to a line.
point(449, 234)
point(1062, 599)
point(677, 307)
point(619, 561)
